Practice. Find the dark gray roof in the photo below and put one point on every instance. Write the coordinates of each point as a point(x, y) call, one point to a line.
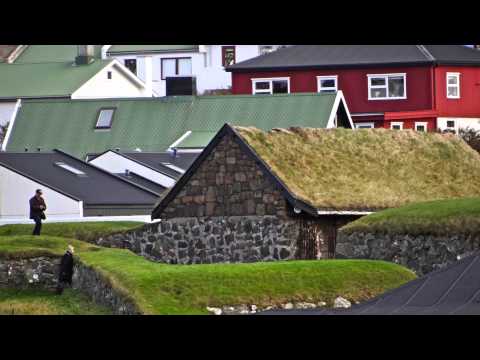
point(140, 180)
point(335, 56)
point(454, 290)
point(157, 159)
point(98, 187)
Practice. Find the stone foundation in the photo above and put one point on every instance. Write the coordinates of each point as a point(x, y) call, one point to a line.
point(39, 272)
point(422, 254)
point(211, 240)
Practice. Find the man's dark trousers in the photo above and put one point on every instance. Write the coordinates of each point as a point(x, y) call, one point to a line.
point(38, 225)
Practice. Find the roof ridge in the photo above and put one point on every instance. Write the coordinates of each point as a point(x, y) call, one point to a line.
point(425, 52)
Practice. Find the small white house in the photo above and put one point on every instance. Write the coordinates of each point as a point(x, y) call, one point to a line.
point(78, 74)
point(154, 63)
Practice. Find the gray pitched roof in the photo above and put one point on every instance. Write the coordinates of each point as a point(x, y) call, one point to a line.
point(335, 56)
point(454, 290)
point(98, 187)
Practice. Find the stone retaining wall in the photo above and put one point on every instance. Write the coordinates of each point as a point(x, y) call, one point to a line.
point(100, 290)
point(422, 254)
point(27, 273)
point(211, 240)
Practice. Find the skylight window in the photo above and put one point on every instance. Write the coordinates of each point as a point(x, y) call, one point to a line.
point(70, 168)
point(173, 167)
point(105, 118)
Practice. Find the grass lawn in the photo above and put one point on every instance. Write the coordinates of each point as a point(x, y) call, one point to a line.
point(187, 289)
point(86, 231)
point(456, 216)
point(42, 302)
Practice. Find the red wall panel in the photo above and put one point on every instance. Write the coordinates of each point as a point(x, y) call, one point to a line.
point(354, 84)
point(469, 103)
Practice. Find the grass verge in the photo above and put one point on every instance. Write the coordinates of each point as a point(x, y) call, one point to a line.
point(455, 216)
point(43, 302)
point(86, 231)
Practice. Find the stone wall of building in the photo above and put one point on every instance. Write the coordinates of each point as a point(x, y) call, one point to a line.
point(422, 254)
point(211, 240)
point(39, 272)
point(228, 183)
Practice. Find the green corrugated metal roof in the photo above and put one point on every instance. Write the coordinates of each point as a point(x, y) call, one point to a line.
point(196, 140)
point(154, 124)
point(51, 53)
point(46, 79)
point(117, 49)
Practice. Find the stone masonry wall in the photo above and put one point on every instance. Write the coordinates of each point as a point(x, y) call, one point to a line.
point(227, 183)
point(27, 273)
point(422, 254)
point(211, 240)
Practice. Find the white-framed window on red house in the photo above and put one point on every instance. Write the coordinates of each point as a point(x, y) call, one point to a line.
point(387, 86)
point(327, 84)
point(453, 85)
point(271, 86)
point(365, 125)
point(396, 125)
point(421, 126)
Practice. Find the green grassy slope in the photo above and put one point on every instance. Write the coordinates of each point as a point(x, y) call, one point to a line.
point(85, 231)
point(456, 216)
point(42, 302)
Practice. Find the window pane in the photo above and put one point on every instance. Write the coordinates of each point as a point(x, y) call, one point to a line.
point(420, 128)
point(327, 83)
point(131, 64)
point(168, 67)
point(280, 87)
point(229, 55)
point(378, 93)
point(262, 85)
point(184, 67)
point(452, 80)
point(396, 86)
point(396, 127)
point(450, 123)
point(105, 118)
point(452, 91)
point(377, 81)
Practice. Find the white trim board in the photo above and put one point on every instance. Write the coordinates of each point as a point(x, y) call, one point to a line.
point(10, 124)
point(331, 120)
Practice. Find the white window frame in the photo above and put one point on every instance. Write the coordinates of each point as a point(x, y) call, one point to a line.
point(386, 76)
point(327, 77)
point(270, 89)
point(421, 123)
point(370, 125)
point(457, 76)
point(396, 123)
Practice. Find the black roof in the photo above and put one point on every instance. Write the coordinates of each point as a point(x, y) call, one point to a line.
point(453, 290)
point(335, 56)
point(96, 187)
point(156, 160)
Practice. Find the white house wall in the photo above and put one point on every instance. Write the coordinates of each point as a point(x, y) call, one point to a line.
point(206, 67)
point(473, 123)
point(16, 191)
point(99, 86)
point(6, 111)
point(117, 164)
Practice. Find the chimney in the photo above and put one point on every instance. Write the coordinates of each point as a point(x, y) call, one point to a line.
point(85, 54)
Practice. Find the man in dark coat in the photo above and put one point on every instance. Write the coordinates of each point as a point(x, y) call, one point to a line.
point(37, 211)
point(66, 270)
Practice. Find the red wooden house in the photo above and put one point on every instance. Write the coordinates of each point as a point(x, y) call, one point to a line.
point(392, 86)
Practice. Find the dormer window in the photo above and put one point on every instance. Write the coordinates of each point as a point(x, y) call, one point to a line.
point(105, 118)
point(70, 168)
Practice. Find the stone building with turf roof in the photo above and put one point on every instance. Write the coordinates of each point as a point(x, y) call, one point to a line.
point(185, 123)
point(258, 196)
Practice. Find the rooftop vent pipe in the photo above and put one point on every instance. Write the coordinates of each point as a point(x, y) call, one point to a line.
point(85, 54)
